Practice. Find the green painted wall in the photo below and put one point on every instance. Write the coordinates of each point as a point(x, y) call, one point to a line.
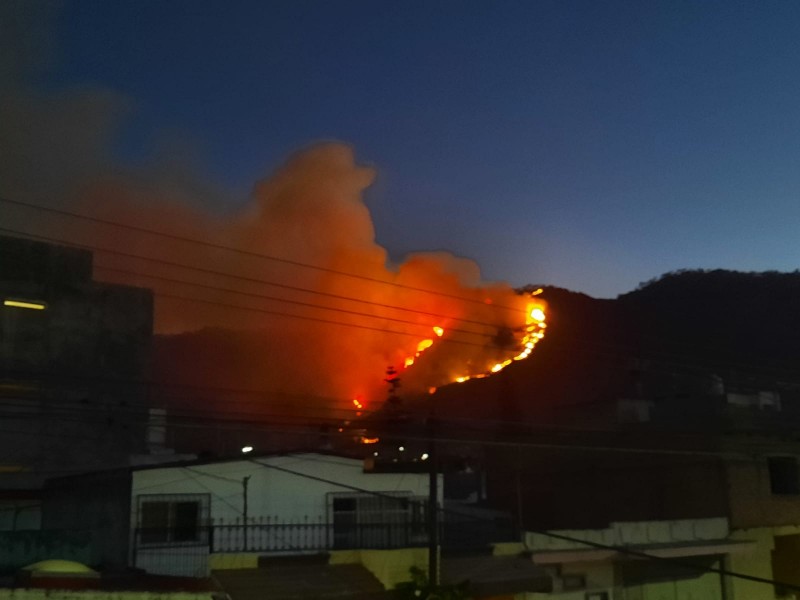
point(756, 561)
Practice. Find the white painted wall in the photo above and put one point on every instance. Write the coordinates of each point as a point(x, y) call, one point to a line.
point(634, 533)
point(274, 493)
point(280, 496)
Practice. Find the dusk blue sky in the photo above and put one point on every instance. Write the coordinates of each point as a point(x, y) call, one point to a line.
point(590, 145)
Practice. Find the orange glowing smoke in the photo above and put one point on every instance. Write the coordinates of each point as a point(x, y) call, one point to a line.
point(239, 320)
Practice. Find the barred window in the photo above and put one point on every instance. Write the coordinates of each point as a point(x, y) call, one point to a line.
point(165, 518)
point(377, 521)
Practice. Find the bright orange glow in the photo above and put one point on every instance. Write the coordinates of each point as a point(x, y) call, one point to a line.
point(438, 331)
point(424, 345)
point(532, 333)
point(431, 390)
point(537, 314)
point(357, 403)
point(409, 362)
point(537, 292)
point(366, 440)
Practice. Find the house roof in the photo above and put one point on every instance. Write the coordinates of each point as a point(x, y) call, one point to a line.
point(668, 550)
point(194, 462)
point(295, 581)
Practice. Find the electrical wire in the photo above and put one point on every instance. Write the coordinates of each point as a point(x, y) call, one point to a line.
point(294, 302)
point(624, 550)
point(236, 250)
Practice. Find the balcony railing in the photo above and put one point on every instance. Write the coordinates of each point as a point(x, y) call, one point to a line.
point(264, 535)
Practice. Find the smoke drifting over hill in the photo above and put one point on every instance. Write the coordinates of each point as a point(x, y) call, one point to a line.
point(236, 317)
point(302, 329)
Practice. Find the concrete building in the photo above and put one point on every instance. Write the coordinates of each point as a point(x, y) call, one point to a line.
point(74, 353)
point(581, 571)
point(273, 526)
point(186, 518)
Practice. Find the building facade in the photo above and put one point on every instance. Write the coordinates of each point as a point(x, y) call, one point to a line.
point(74, 356)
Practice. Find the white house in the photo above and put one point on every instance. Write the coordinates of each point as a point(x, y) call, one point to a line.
point(176, 517)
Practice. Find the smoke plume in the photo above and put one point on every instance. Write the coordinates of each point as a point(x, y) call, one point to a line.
point(287, 292)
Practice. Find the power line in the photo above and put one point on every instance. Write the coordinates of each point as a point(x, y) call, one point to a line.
point(664, 358)
point(305, 404)
point(266, 426)
point(314, 319)
point(626, 550)
point(294, 302)
point(235, 250)
point(272, 284)
point(181, 392)
point(169, 263)
point(253, 280)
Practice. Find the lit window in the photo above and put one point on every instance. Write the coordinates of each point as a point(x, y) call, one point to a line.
point(29, 304)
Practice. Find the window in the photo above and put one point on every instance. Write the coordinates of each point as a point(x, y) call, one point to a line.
point(370, 521)
point(784, 477)
point(175, 518)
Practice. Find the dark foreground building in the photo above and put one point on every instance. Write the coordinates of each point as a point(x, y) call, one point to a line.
point(73, 355)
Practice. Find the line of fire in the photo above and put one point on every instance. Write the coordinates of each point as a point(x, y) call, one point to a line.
point(537, 442)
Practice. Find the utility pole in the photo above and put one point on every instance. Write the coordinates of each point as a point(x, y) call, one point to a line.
point(393, 379)
point(245, 481)
point(433, 504)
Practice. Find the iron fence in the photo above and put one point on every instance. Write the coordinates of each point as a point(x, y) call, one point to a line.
point(268, 535)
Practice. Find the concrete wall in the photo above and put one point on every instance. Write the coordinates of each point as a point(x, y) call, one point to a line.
point(757, 561)
point(588, 490)
point(633, 533)
point(774, 554)
point(705, 587)
point(282, 497)
point(86, 326)
point(752, 504)
point(599, 577)
point(390, 567)
point(271, 493)
point(603, 572)
point(786, 559)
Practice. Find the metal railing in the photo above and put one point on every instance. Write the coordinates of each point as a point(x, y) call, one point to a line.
point(268, 535)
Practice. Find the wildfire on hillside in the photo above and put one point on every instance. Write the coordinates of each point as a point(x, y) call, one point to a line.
point(292, 294)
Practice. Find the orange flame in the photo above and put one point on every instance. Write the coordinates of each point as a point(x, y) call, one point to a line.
point(424, 345)
point(535, 324)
